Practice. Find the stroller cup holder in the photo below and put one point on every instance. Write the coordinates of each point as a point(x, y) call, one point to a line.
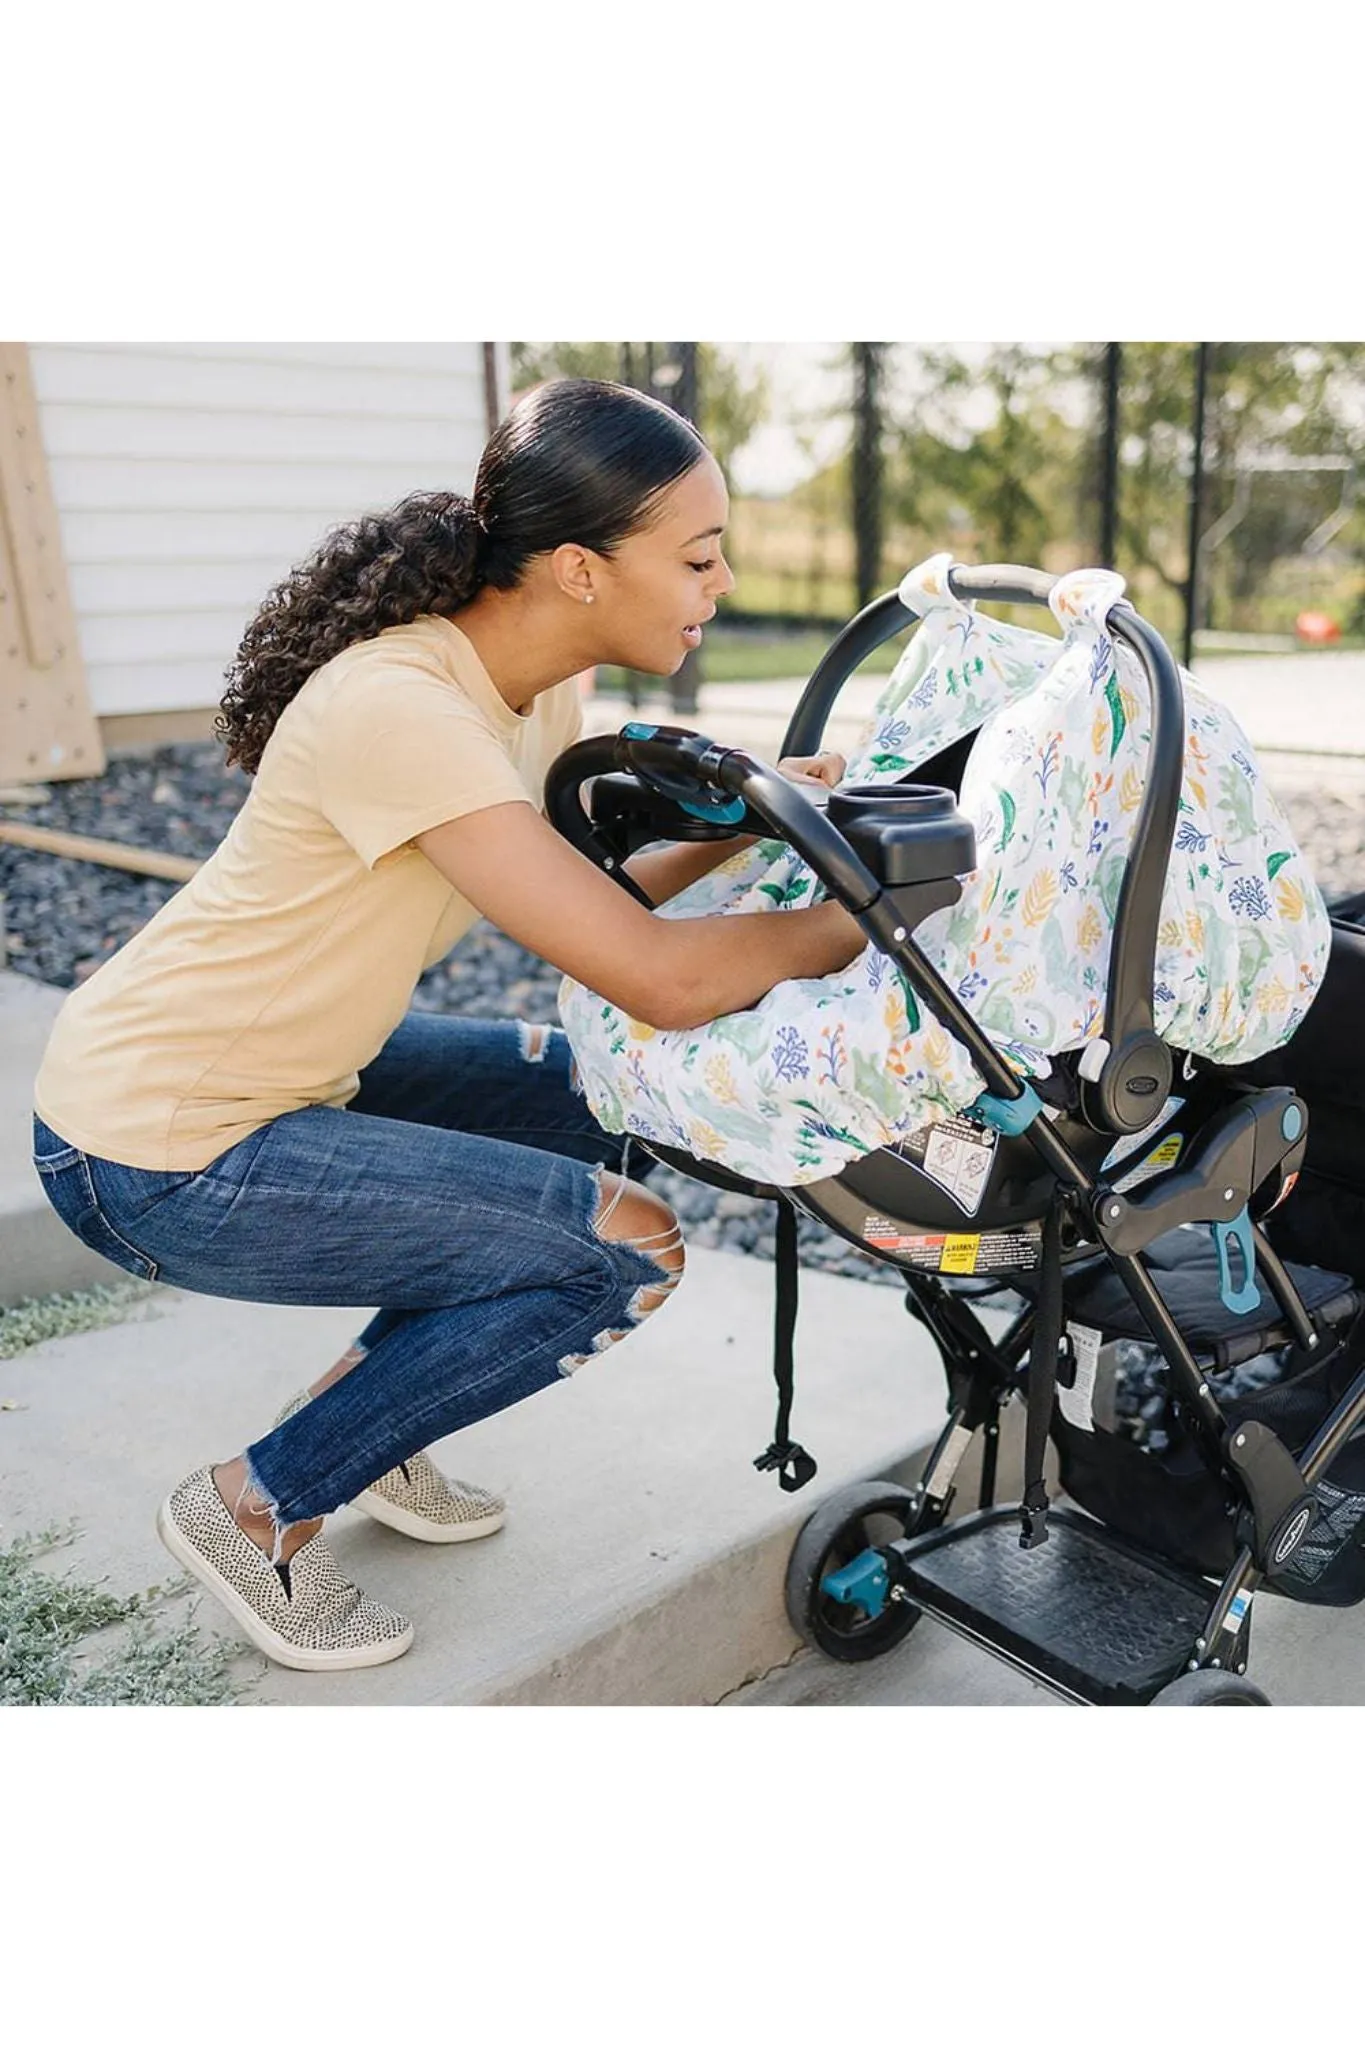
point(912, 837)
point(907, 832)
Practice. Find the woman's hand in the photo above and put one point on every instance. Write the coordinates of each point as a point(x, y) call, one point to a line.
point(667, 873)
point(828, 769)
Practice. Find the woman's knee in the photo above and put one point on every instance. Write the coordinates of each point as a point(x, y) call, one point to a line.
point(634, 1216)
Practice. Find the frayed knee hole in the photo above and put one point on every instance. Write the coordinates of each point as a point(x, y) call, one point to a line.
point(533, 1040)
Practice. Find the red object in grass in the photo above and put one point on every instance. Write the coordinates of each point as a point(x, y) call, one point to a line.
point(1317, 627)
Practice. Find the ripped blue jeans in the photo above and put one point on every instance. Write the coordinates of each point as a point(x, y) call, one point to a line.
point(460, 1191)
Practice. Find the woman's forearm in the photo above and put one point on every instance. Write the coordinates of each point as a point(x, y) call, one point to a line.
point(669, 870)
point(699, 968)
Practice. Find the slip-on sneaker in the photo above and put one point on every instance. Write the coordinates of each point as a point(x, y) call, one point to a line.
point(420, 1501)
point(305, 1614)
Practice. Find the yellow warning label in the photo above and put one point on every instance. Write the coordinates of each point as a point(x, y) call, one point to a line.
point(1159, 1160)
point(959, 1254)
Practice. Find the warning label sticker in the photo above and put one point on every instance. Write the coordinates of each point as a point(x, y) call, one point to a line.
point(956, 1156)
point(1236, 1614)
point(1077, 1402)
point(1157, 1161)
point(1127, 1148)
point(952, 1251)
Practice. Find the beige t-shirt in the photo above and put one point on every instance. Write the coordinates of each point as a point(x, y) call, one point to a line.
point(281, 968)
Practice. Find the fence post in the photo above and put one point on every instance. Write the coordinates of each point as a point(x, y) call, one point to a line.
point(687, 391)
point(867, 466)
point(684, 395)
point(1109, 468)
point(1201, 385)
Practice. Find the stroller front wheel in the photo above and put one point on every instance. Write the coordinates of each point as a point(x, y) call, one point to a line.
point(822, 1594)
point(1208, 1688)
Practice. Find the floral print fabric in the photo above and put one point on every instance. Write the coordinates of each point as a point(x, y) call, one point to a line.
point(818, 1072)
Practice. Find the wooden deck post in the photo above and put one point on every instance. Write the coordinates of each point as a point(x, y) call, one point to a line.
point(48, 731)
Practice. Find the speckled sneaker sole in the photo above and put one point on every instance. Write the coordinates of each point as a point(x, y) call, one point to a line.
point(419, 1501)
point(323, 1622)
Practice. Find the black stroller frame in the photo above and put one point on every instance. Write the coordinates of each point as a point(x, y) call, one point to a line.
point(1122, 1606)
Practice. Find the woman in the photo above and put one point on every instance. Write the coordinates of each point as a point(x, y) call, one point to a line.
point(238, 1102)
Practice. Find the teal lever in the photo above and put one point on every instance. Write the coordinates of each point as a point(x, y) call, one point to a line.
point(863, 1583)
point(1239, 1300)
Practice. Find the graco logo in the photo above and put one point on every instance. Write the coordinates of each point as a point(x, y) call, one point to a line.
point(1292, 1534)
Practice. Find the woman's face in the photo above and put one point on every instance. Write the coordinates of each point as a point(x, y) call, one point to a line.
point(654, 595)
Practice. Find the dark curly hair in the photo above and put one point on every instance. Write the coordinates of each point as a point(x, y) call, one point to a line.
point(576, 460)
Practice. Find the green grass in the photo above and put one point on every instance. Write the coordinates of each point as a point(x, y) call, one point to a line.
point(1349, 643)
point(66, 1315)
point(68, 1642)
point(751, 655)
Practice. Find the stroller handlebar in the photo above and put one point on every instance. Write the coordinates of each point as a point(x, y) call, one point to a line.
point(746, 795)
point(721, 786)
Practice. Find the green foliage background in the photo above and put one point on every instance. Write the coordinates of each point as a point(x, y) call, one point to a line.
point(994, 451)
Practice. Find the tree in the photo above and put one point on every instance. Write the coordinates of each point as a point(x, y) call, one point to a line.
point(1269, 403)
point(733, 404)
point(985, 437)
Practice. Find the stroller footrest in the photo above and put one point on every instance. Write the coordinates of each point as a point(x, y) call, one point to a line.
point(1085, 1612)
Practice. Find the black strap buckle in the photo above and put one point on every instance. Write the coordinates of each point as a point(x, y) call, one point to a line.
point(779, 1456)
point(1033, 1518)
point(782, 1452)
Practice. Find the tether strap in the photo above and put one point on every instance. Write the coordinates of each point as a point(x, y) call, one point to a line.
point(782, 1452)
point(1042, 1381)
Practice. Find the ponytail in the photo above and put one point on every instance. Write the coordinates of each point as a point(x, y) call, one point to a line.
point(385, 570)
point(576, 460)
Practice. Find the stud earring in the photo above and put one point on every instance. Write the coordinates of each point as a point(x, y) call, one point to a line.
point(588, 598)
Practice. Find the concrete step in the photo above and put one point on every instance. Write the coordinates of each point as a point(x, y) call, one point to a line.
point(38, 1254)
point(643, 1556)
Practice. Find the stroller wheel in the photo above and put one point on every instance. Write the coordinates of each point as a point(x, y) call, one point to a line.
point(851, 1523)
point(1210, 1689)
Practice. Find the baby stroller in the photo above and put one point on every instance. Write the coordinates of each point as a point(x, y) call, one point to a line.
point(1117, 1206)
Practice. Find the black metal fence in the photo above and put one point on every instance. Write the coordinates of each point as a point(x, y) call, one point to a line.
point(1220, 478)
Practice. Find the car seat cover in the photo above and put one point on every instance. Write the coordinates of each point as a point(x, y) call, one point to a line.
point(819, 1072)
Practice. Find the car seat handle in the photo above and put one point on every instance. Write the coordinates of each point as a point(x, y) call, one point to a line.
point(1133, 1080)
point(998, 582)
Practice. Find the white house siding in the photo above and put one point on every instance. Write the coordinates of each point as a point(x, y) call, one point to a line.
point(190, 476)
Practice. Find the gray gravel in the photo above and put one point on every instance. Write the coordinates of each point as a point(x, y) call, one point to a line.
point(63, 917)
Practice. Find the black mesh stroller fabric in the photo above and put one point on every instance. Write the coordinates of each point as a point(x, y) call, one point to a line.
point(1323, 1222)
point(1166, 1498)
point(1184, 1266)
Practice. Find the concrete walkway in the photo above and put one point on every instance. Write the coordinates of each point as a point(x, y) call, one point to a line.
point(643, 1556)
point(1290, 705)
point(38, 1255)
point(1300, 1656)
